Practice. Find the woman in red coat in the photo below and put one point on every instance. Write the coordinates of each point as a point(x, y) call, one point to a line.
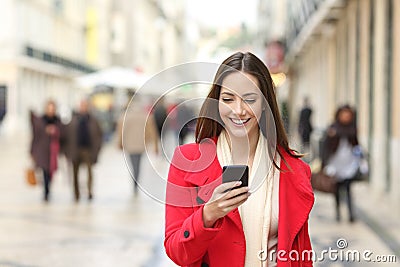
point(210, 223)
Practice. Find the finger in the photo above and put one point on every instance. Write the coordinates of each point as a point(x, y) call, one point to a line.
point(237, 191)
point(234, 201)
point(237, 204)
point(229, 208)
point(222, 191)
point(231, 193)
point(227, 186)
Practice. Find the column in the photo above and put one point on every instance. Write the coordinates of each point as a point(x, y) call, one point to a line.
point(363, 118)
point(378, 153)
point(395, 142)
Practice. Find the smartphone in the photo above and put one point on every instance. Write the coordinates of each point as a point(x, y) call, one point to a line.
point(233, 173)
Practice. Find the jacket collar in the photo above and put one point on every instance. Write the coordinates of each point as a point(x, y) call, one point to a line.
point(203, 167)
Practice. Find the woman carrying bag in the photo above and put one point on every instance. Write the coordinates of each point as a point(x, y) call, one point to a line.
point(45, 144)
point(341, 155)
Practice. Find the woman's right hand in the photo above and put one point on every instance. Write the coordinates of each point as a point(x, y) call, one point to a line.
point(223, 200)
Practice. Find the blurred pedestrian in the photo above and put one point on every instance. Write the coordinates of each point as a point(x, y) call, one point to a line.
point(340, 157)
point(214, 224)
point(2, 112)
point(285, 115)
point(137, 130)
point(45, 145)
point(160, 115)
point(185, 118)
point(109, 123)
point(84, 142)
point(305, 127)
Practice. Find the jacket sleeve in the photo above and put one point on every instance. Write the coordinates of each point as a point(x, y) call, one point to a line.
point(307, 249)
point(186, 238)
point(98, 138)
point(38, 134)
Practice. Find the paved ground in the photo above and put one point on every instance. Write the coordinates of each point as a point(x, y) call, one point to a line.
point(119, 228)
point(344, 238)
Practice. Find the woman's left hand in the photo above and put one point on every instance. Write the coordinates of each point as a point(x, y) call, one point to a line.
point(224, 199)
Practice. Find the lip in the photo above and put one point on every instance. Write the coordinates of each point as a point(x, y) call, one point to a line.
point(239, 122)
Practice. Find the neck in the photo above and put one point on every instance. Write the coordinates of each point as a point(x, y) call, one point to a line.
point(243, 148)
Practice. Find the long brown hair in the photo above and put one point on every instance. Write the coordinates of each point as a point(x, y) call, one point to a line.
point(209, 123)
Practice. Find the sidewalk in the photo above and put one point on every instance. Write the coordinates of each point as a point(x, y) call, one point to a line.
point(327, 234)
point(118, 228)
point(380, 214)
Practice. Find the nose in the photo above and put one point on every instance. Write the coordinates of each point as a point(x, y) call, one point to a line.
point(239, 108)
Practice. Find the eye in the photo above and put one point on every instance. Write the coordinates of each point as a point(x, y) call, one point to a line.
point(226, 99)
point(249, 101)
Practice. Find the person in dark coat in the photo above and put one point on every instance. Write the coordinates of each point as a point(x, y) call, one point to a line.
point(83, 145)
point(160, 115)
point(185, 119)
point(45, 145)
point(305, 127)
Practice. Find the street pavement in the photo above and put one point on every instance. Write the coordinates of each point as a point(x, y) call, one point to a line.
point(117, 228)
point(345, 243)
point(121, 228)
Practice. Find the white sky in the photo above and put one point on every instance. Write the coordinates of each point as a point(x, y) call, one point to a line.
point(223, 13)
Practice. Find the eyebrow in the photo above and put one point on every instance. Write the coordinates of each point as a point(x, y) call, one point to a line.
point(247, 94)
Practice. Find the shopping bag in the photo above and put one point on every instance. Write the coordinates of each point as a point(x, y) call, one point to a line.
point(30, 176)
point(363, 165)
point(323, 183)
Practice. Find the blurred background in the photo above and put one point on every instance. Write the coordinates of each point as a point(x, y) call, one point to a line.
point(331, 52)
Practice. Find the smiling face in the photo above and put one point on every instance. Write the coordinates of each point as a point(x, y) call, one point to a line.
point(240, 105)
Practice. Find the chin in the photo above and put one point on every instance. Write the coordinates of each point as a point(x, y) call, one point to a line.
point(238, 133)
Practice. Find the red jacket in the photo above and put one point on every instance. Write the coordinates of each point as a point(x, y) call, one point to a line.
point(188, 243)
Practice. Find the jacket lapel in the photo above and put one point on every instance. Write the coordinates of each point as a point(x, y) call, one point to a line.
point(206, 176)
point(203, 172)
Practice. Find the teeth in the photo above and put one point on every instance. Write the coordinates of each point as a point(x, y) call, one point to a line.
point(236, 121)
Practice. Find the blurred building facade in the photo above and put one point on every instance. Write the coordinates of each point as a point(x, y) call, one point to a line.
point(45, 44)
point(271, 20)
point(148, 35)
point(346, 51)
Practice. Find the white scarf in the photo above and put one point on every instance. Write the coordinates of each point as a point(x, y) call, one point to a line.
point(255, 213)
